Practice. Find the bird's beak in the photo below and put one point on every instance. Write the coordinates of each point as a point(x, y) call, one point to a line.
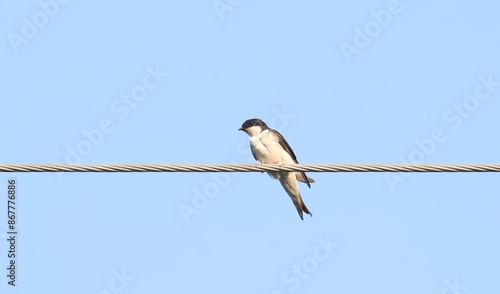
point(240, 129)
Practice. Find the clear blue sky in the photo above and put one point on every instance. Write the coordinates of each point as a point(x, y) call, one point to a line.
point(172, 81)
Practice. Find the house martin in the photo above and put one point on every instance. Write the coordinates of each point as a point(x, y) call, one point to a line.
point(270, 147)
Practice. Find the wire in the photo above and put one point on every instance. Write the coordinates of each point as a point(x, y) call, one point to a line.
point(249, 167)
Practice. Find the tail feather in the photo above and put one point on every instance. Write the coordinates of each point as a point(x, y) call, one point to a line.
point(301, 207)
point(301, 176)
point(291, 186)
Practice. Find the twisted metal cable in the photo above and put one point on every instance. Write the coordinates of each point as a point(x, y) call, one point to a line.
point(249, 167)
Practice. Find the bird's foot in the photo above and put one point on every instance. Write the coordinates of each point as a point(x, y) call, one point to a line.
point(257, 164)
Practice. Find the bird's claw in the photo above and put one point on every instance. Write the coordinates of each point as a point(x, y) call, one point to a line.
point(257, 164)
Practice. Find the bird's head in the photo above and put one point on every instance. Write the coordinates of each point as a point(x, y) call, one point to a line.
point(253, 126)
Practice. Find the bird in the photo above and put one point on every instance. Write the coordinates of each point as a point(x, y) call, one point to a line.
point(270, 147)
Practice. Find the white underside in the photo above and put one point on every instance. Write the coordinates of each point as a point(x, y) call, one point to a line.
point(267, 150)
